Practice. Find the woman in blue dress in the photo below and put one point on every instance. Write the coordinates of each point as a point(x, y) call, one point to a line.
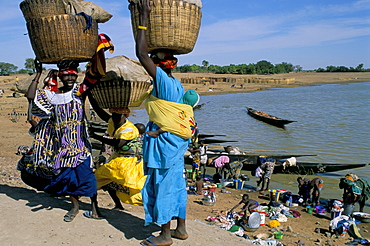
point(164, 193)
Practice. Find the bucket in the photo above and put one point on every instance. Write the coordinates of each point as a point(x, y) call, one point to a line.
point(274, 195)
point(212, 188)
point(239, 184)
point(190, 173)
point(263, 216)
point(278, 235)
point(226, 183)
point(309, 209)
point(219, 185)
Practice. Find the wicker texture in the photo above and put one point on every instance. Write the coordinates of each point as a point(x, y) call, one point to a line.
point(62, 37)
point(33, 9)
point(118, 93)
point(172, 24)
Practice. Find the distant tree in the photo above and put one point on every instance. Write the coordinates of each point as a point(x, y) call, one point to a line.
point(360, 67)
point(205, 64)
point(284, 67)
point(297, 68)
point(29, 64)
point(264, 67)
point(7, 68)
point(331, 69)
point(24, 71)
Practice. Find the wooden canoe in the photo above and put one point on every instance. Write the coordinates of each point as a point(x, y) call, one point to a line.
point(267, 118)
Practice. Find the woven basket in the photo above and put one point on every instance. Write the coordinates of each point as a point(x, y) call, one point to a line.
point(62, 37)
point(118, 93)
point(172, 25)
point(33, 9)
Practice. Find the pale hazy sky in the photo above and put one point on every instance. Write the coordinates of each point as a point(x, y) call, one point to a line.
point(309, 33)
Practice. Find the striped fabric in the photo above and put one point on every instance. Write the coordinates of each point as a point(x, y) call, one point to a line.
point(61, 140)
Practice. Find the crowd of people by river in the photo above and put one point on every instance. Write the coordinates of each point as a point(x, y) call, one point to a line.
point(146, 166)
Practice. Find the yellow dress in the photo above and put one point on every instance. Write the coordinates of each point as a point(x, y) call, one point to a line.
point(124, 171)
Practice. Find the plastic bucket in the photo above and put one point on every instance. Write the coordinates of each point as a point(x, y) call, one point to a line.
point(219, 185)
point(274, 195)
point(309, 209)
point(190, 173)
point(239, 184)
point(278, 235)
point(212, 188)
point(263, 216)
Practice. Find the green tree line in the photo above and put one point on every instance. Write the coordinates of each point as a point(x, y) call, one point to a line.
point(261, 67)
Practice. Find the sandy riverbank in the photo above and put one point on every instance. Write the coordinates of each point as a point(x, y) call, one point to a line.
point(35, 218)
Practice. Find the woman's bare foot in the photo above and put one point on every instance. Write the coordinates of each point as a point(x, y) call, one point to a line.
point(179, 235)
point(161, 240)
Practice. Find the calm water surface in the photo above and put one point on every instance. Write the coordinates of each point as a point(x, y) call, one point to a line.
point(333, 122)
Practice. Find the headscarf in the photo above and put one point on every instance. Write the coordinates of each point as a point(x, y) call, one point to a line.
point(67, 67)
point(124, 111)
point(191, 97)
point(66, 72)
point(164, 60)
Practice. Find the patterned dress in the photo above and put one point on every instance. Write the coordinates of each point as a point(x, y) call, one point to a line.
point(61, 143)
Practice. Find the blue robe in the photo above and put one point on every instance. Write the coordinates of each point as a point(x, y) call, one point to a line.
point(164, 193)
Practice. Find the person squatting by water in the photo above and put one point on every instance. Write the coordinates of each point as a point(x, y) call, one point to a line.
point(248, 205)
point(60, 163)
point(305, 185)
point(164, 193)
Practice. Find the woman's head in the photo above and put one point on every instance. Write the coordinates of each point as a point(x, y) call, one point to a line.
point(68, 73)
point(164, 59)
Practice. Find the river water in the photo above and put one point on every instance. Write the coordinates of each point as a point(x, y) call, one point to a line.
point(333, 122)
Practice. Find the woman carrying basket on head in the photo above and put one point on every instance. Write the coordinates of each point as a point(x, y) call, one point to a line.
point(61, 142)
point(164, 192)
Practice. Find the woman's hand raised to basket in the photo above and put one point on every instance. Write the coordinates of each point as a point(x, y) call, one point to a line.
point(145, 6)
point(38, 66)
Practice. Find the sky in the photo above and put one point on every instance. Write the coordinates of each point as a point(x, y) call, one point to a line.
point(309, 33)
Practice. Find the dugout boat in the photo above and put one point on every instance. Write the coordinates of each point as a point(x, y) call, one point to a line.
point(267, 118)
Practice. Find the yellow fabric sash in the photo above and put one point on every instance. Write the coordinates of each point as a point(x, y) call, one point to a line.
point(170, 116)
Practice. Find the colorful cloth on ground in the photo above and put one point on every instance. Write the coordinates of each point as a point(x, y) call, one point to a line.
point(77, 181)
point(61, 139)
point(164, 193)
point(221, 161)
point(96, 68)
point(124, 172)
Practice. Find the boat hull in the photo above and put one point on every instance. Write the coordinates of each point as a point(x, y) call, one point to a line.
point(272, 120)
point(250, 162)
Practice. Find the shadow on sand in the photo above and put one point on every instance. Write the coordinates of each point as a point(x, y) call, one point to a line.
point(127, 223)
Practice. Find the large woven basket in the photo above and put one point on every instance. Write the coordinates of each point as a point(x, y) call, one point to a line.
point(118, 93)
point(33, 9)
point(172, 25)
point(62, 37)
